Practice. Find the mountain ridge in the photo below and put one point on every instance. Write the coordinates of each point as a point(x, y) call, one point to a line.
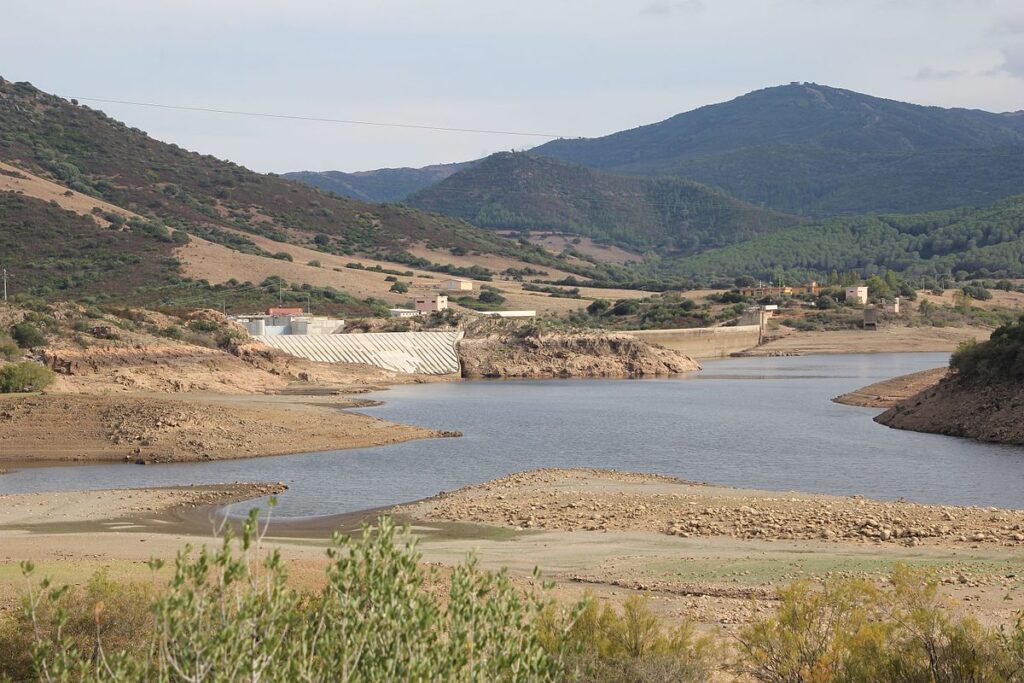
point(525, 191)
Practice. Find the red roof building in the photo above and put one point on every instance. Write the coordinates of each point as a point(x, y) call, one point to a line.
point(283, 310)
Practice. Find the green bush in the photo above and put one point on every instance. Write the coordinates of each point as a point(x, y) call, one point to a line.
point(399, 288)
point(24, 376)
point(8, 348)
point(1001, 358)
point(603, 644)
point(200, 325)
point(283, 256)
point(852, 631)
point(228, 615)
point(27, 335)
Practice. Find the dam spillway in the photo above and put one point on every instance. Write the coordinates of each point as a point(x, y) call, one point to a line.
point(423, 353)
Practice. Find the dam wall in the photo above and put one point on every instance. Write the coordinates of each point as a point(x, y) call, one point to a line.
point(704, 342)
point(423, 353)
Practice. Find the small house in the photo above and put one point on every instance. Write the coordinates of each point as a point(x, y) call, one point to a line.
point(857, 295)
point(432, 304)
point(457, 285)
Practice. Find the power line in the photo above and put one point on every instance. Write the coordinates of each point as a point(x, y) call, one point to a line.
point(352, 122)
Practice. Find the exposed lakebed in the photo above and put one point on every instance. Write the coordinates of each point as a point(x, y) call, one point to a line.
point(763, 423)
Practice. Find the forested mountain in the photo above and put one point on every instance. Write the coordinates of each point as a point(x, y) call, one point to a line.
point(523, 191)
point(987, 242)
point(819, 151)
point(380, 185)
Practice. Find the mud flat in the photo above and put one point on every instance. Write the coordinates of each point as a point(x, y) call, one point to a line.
point(889, 392)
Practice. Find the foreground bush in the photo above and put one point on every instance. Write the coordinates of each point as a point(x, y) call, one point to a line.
point(852, 632)
point(24, 376)
point(606, 645)
point(227, 615)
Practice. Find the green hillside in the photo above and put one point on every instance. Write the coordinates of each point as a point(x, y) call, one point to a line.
point(669, 215)
point(380, 185)
point(89, 152)
point(57, 252)
point(819, 151)
point(986, 242)
point(177, 190)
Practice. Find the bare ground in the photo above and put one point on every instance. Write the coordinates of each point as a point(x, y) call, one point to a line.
point(154, 428)
point(889, 392)
point(885, 340)
point(713, 552)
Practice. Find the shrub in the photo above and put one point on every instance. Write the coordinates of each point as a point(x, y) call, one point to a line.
point(314, 263)
point(603, 644)
point(852, 631)
point(27, 335)
point(200, 325)
point(180, 237)
point(24, 376)
point(399, 288)
point(1001, 358)
point(8, 348)
point(283, 256)
point(229, 615)
point(488, 296)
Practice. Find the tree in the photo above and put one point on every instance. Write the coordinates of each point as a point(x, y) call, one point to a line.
point(399, 288)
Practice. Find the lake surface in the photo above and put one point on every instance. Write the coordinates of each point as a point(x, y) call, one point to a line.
point(756, 422)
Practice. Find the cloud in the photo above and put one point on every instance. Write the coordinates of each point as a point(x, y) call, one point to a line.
point(661, 8)
point(930, 73)
point(1008, 26)
point(1013, 62)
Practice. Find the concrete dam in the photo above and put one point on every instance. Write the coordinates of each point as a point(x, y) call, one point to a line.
point(704, 342)
point(424, 353)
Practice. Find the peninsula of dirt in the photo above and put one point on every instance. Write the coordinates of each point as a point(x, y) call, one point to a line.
point(564, 355)
point(889, 392)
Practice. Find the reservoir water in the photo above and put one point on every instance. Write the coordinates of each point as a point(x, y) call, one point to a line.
point(754, 422)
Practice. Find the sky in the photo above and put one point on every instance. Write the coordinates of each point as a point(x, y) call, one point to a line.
point(556, 67)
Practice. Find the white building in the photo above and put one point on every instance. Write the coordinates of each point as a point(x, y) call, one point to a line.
point(431, 304)
point(403, 312)
point(287, 321)
point(509, 314)
point(857, 295)
point(457, 285)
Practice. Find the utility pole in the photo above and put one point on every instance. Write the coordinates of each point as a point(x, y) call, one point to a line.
point(5, 285)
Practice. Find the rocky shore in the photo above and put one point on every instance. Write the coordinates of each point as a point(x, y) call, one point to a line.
point(602, 500)
point(564, 355)
point(958, 406)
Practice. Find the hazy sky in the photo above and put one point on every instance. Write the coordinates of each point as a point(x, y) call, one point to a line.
point(566, 67)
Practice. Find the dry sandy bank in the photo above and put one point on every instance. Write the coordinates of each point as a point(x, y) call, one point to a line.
point(885, 340)
point(889, 392)
point(186, 427)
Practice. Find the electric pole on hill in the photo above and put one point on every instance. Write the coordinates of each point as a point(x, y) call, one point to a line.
point(5, 285)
